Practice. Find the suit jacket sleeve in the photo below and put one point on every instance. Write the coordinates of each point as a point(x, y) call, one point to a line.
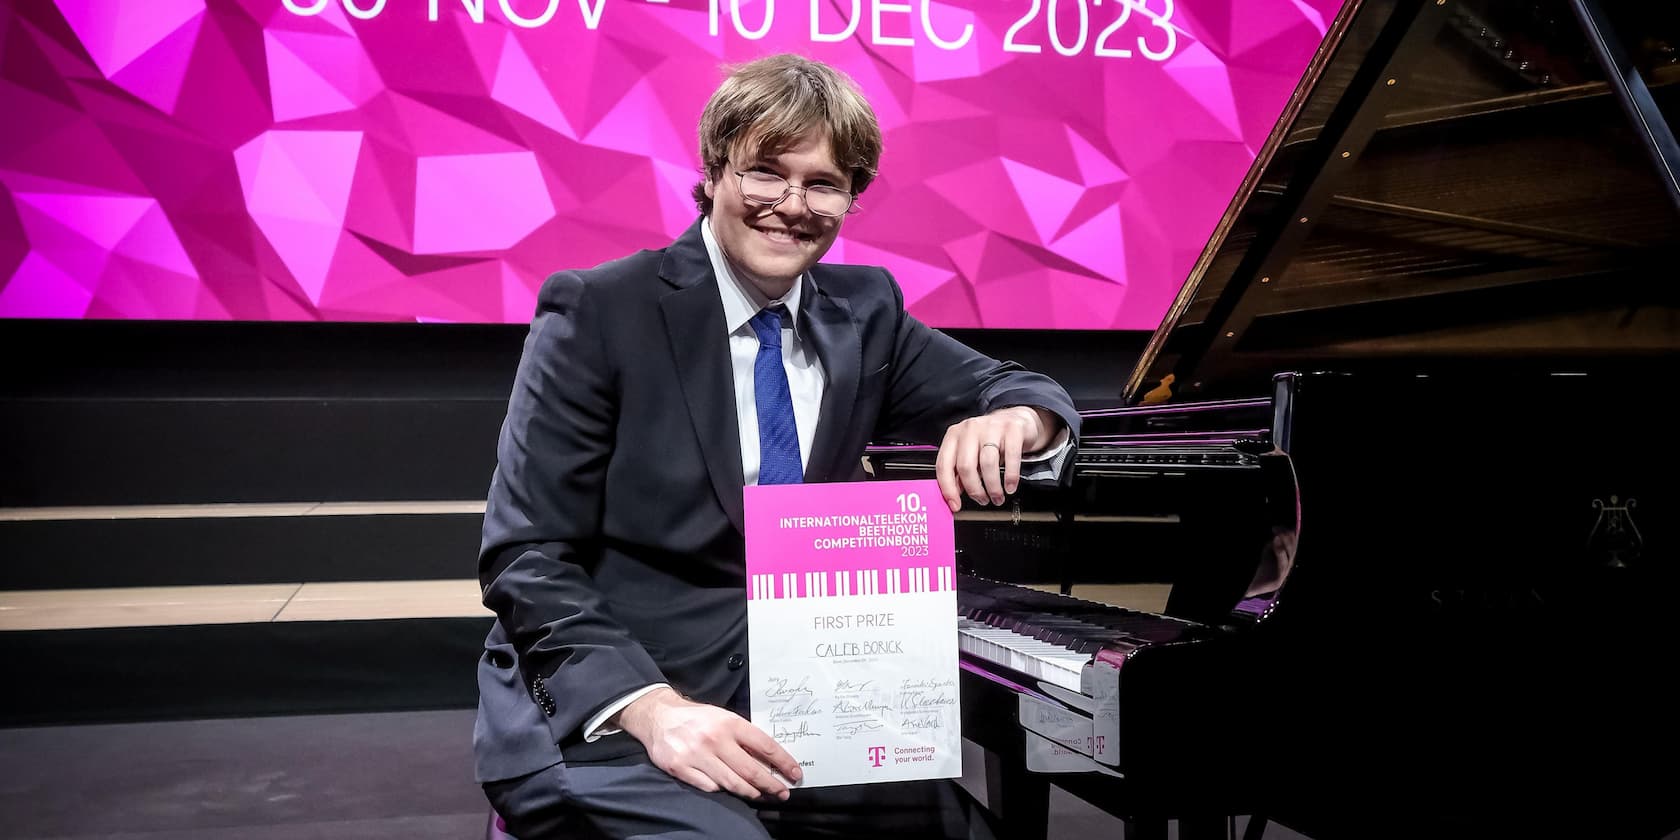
point(542, 518)
point(937, 381)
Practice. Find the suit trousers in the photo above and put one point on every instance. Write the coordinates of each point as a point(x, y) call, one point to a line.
point(629, 797)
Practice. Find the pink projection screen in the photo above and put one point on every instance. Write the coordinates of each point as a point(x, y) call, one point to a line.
point(1048, 164)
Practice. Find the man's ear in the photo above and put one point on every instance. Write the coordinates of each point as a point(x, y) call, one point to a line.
point(711, 188)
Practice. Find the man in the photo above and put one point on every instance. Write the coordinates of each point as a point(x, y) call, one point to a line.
point(651, 391)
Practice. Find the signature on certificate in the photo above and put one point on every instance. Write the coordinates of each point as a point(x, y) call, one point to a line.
point(849, 687)
point(917, 700)
point(786, 687)
point(791, 709)
point(857, 727)
point(787, 735)
point(919, 722)
point(852, 707)
point(926, 684)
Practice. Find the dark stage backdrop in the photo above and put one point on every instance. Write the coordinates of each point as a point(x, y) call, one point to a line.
point(150, 412)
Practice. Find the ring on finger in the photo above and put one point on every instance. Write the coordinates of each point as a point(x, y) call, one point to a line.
point(992, 445)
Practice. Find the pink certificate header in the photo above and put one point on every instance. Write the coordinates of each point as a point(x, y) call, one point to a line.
point(837, 540)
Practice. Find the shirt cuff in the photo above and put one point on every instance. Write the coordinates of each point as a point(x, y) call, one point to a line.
point(595, 728)
point(1046, 464)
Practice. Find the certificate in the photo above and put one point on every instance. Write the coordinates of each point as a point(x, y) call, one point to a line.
point(852, 629)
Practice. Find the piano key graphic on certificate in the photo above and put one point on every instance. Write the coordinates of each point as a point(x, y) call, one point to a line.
point(851, 582)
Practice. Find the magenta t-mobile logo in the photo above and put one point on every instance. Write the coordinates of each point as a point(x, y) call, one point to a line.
point(877, 755)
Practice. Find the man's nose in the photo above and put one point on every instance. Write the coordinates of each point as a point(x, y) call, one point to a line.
point(786, 207)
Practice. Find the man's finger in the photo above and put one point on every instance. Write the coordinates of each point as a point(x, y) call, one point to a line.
point(726, 777)
point(696, 779)
point(765, 749)
point(990, 463)
point(754, 772)
point(1012, 443)
point(944, 469)
point(968, 462)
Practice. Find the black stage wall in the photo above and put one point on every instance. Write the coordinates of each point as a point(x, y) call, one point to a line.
point(128, 413)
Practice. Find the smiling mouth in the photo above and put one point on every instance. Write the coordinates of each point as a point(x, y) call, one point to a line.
point(780, 235)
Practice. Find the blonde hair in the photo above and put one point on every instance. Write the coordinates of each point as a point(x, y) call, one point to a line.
point(767, 105)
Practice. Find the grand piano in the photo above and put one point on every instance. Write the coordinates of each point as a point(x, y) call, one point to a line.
point(1401, 450)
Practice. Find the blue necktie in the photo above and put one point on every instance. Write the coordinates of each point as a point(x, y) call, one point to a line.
point(778, 436)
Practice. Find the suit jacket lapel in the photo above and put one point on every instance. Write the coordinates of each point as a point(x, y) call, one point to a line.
point(840, 347)
point(694, 321)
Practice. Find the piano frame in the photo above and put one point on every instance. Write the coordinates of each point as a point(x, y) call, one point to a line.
point(1270, 716)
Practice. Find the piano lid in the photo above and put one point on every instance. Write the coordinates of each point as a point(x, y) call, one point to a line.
point(1461, 181)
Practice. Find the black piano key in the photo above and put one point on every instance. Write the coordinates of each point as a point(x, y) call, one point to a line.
point(1065, 621)
point(1064, 632)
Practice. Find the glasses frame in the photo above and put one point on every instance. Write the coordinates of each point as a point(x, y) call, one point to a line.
point(741, 183)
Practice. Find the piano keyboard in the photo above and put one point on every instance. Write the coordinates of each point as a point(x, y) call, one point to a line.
point(1052, 637)
point(1068, 653)
point(1055, 664)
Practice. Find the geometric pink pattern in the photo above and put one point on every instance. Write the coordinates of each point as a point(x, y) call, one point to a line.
point(477, 202)
point(1048, 163)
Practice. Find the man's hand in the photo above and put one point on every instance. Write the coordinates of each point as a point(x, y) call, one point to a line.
point(707, 746)
point(973, 451)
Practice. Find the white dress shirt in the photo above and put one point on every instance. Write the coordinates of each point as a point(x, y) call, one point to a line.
point(806, 378)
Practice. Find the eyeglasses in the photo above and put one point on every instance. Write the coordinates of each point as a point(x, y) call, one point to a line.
point(770, 190)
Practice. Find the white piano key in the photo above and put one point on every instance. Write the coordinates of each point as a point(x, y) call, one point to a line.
point(1052, 663)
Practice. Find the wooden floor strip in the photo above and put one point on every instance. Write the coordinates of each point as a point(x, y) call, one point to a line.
point(229, 511)
point(58, 514)
point(388, 599)
point(141, 606)
point(397, 508)
point(155, 606)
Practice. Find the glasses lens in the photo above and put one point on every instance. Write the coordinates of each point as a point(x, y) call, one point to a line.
point(765, 188)
point(760, 186)
point(828, 201)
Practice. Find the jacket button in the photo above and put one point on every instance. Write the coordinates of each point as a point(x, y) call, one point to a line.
point(736, 660)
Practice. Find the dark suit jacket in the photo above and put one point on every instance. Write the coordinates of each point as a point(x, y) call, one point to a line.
point(612, 551)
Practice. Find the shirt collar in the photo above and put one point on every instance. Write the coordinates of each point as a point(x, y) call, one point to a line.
point(741, 301)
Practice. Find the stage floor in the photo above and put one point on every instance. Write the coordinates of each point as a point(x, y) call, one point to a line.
point(385, 776)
